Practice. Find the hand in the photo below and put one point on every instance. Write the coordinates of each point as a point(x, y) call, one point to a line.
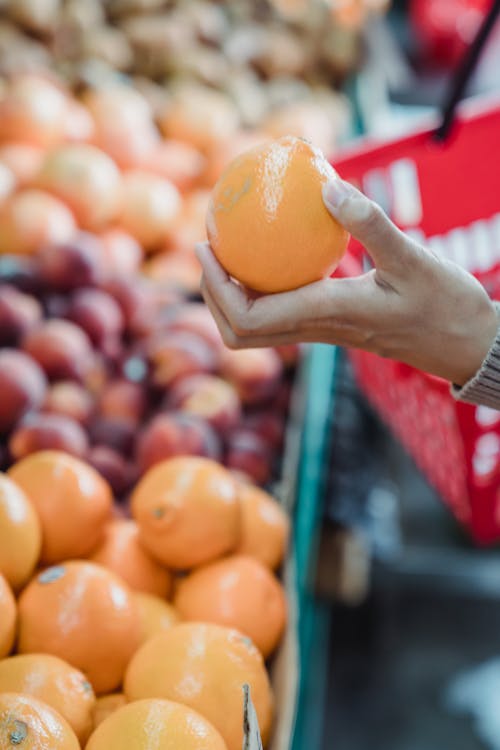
point(413, 306)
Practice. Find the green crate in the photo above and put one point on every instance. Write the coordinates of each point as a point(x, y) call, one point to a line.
point(305, 474)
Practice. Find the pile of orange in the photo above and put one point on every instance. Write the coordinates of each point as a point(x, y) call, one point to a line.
point(93, 654)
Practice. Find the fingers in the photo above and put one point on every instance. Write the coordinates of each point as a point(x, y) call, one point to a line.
point(389, 248)
point(315, 304)
point(259, 340)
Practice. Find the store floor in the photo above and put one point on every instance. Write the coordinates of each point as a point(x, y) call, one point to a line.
point(432, 617)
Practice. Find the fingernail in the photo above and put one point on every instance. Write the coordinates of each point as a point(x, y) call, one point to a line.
point(335, 192)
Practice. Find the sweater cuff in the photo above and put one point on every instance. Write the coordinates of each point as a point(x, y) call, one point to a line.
point(484, 387)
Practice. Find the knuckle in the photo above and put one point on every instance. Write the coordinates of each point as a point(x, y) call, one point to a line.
point(372, 220)
point(231, 339)
point(241, 323)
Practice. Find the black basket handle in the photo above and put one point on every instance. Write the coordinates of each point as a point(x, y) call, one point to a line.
point(465, 71)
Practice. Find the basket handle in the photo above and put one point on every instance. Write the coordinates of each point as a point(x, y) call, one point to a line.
point(465, 71)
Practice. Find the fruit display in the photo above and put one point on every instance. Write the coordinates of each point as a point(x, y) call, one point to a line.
point(179, 581)
point(266, 64)
point(140, 547)
point(106, 350)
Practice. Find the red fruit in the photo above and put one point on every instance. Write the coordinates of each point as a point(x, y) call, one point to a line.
point(100, 316)
point(196, 318)
point(255, 373)
point(176, 434)
point(132, 295)
point(69, 399)
point(21, 272)
point(19, 313)
point(122, 399)
point(113, 467)
point(118, 434)
point(176, 354)
point(38, 432)
point(289, 354)
point(250, 454)
point(268, 425)
point(22, 387)
point(122, 253)
point(61, 348)
point(74, 264)
point(208, 397)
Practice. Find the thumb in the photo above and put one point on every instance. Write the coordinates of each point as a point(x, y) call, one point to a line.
point(365, 220)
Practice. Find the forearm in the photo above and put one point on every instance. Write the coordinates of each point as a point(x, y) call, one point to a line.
point(484, 387)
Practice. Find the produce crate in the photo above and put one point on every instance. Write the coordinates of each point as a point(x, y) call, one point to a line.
point(300, 668)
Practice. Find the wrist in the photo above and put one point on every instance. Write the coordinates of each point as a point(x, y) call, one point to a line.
point(483, 339)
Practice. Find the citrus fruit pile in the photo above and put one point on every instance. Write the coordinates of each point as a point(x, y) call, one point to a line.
point(114, 629)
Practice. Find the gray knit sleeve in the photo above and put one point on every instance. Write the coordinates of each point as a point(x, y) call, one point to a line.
point(484, 387)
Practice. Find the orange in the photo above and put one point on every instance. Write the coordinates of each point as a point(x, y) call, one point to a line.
point(267, 222)
point(84, 614)
point(188, 511)
point(31, 219)
point(20, 534)
point(105, 705)
point(30, 724)
point(204, 667)
point(86, 179)
point(32, 111)
point(8, 617)
point(56, 683)
point(238, 592)
point(122, 552)
point(22, 159)
point(72, 500)
point(155, 614)
point(150, 207)
point(156, 725)
point(199, 116)
point(264, 527)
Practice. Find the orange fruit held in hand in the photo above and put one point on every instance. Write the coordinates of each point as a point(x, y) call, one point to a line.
point(8, 616)
point(188, 511)
point(155, 614)
point(207, 668)
point(105, 705)
point(122, 552)
point(238, 592)
point(56, 683)
point(72, 500)
point(265, 527)
point(156, 723)
point(267, 222)
point(30, 724)
point(84, 614)
point(20, 534)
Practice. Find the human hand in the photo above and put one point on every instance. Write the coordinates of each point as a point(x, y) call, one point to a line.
point(412, 306)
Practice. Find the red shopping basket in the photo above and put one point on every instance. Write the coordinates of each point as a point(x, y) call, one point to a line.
point(448, 196)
